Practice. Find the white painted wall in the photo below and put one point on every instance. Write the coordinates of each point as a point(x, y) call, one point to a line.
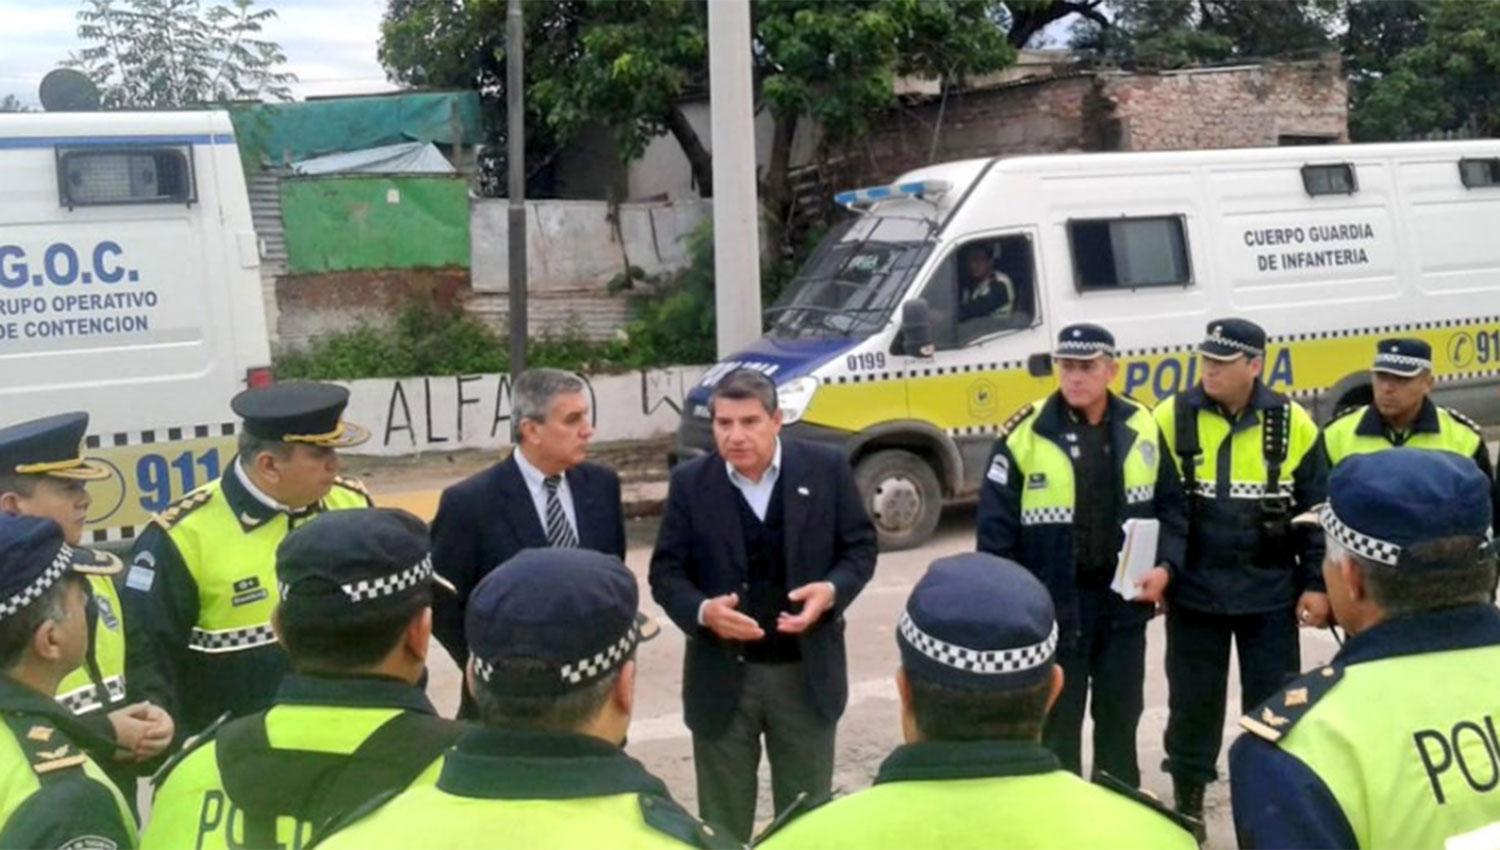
point(573, 246)
point(409, 416)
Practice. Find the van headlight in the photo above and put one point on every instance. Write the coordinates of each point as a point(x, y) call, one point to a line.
point(794, 396)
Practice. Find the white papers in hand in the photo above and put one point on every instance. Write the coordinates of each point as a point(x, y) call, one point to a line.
point(1137, 556)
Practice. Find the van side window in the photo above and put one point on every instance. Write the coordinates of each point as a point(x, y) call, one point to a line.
point(985, 287)
point(1337, 179)
point(97, 176)
point(1125, 253)
point(1478, 173)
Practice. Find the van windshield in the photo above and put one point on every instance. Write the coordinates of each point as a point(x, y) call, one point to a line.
point(854, 279)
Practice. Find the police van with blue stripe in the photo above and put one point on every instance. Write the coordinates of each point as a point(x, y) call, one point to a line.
point(129, 287)
point(920, 324)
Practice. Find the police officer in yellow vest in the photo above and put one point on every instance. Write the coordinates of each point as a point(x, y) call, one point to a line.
point(350, 723)
point(1249, 463)
point(202, 580)
point(1404, 414)
point(43, 473)
point(52, 794)
point(978, 673)
point(1065, 474)
point(552, 639)
point(1393, 743)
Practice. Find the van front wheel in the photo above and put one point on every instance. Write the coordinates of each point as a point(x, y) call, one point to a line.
point(901, 492)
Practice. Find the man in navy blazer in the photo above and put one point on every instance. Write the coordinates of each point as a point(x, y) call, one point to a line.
point(543, 495)
point(763, 546)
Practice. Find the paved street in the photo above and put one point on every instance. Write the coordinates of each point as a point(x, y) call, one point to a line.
point(870, 727)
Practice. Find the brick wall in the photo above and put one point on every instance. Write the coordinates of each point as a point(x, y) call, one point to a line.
point(1244, 106)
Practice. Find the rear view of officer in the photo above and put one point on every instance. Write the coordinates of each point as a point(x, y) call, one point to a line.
point(1392, 744)
point(52, 795)
point(349, 723)
point(978, 674)
point(552, 639)
point(1248, 459)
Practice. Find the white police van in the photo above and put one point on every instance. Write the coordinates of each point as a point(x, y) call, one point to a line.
point(920, 325)
point(129, 287)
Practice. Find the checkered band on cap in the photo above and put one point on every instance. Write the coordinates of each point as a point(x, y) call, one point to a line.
point(1403, 362)
point(1218, 338)
point(39, 585)
point(1373, 548)
point(985, 662)
point(602, 662)
point(376, 588)
point(1082, 349)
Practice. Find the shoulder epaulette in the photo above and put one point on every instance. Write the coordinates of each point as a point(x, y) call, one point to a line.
point(188, 746)
point(801, 805)
point(353, 484)
point(1145, 798)
point(1276, 716)
point(665, 815)
point(1346, 410)
point(179, 509)
point(1016, 419)
point(48, 751)
point(1477, 428)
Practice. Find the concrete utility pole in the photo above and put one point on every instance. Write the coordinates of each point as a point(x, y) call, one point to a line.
point(515, 140)
point(736, 210)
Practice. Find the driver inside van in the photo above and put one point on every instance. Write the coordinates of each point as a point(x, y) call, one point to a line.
point(984, 292)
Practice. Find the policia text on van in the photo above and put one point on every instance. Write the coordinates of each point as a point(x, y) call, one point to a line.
point(911, 334)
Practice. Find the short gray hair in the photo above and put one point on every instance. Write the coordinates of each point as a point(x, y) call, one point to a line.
point(1449, 572)
point(251, 446)
point(535, 390)
point(742, 384)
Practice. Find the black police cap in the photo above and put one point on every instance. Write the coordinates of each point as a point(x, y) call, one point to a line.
point(1231, 339)
point(299, 412)
point(348, 560)
point(34, 556)
point(50, 446)
point(549, 621)
point(1084, 341)
point(975, 622)
point(1404, 357)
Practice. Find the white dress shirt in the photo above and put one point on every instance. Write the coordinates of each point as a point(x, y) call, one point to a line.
point(536, 483)
point(758, 493)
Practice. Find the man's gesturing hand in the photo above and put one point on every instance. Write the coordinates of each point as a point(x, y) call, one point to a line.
point(720, 617)
point(816, 598)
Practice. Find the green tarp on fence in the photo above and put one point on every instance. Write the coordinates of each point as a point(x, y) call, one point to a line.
point(341, 223)
point(278, 133)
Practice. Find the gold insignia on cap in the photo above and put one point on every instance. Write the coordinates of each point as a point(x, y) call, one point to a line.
point(41, 734)
point(1296, 697)
point(1271, 718)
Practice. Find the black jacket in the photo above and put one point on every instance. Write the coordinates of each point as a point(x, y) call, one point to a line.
point(700, 554)
point(1048, 550)
point(1228, 570)
point(486, 518)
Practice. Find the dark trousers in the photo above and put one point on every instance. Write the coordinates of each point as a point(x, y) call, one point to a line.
point(799, 742)
point(1198, 676)
point(1110, 662)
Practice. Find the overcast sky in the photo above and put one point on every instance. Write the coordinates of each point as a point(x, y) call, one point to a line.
point(330, 44)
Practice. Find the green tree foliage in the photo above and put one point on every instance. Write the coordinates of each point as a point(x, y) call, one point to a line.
point(1442, 81)
point(1179, 33)
point(10, 103)
point(151, 54)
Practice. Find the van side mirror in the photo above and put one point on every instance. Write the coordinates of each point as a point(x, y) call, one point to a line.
point(1039, 365)
point(916, 329)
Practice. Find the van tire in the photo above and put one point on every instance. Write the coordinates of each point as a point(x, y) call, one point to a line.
point(901, 492)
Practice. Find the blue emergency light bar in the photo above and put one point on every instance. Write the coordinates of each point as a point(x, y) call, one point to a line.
point(925, 189)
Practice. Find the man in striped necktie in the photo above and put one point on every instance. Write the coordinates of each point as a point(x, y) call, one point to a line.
point(544, 495)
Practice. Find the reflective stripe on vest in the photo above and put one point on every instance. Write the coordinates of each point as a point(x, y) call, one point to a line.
point(1424, 767)
point(235, 570)
point(1047, 480)
point(1341, 439)
point(77, 690)
point(1247, 464)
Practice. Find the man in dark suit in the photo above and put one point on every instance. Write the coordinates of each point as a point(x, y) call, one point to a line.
point(543, 495)
point(763, 546)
